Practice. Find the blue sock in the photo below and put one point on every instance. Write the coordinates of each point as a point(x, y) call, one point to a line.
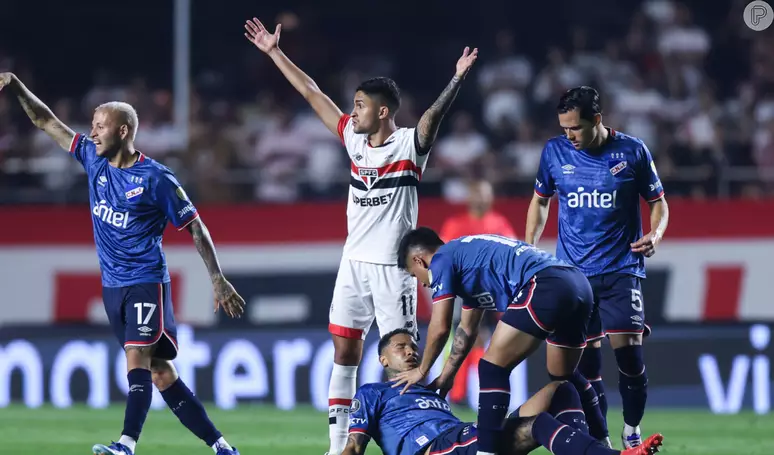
point(590, 401)
point(493, 399)
point(632, 383)
point(591, 367)
point(138, 402)
point(566, 407)
point(190, 411)
point(563, 439)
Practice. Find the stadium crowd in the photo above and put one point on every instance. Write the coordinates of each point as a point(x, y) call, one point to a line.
point(697, 88)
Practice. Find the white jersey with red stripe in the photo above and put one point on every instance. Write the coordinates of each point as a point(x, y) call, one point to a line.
point(383, 202)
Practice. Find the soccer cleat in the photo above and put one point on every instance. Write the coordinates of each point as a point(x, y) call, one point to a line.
point(225, 451)
point(631, 440)
point(115, 448)
point(649, 447)
point(606, 442)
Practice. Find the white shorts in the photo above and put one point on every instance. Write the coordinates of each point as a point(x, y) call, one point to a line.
point(365, 292)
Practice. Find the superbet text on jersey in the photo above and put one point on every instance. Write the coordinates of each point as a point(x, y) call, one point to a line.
point(383, 202)
point(599, 207)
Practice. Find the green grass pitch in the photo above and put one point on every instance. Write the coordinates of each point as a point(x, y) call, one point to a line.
point(266, 430)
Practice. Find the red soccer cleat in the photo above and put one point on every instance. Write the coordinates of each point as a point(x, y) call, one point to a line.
point(648, 447)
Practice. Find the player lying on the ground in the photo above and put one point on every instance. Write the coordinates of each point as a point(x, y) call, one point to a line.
point(599, 176)
point(387, 163)
point(420, 421)
point(542, 297)
point(133, 198)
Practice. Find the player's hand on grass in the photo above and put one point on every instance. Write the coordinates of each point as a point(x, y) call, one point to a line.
point(647, 245)
point(465, 62)
point(442, 384)
point(260, 37)
point(409, 378)
point(5, 79)
point(227, 298)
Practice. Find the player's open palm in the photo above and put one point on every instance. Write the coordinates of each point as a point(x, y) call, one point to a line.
point(466, 61)
point(5, 79)
point(258, 35)
point(226, 297)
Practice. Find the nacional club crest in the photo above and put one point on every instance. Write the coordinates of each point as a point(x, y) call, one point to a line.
point(617, 166)
point(368, 175)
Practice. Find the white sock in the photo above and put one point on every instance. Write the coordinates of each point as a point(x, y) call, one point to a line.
point(340, 393)
point(128, 442)
point(484, 453)
point(221, 443)
point(629, 430)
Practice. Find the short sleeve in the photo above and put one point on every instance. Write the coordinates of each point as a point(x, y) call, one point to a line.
point(361, 413)
point(173, 201)
point(648, 183)
point(544, 182)
point(441, 278)
point(83, 150)
point(344, 128)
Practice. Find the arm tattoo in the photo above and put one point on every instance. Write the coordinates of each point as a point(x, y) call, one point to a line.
point(205, 247)
point(461, 346)
point(356, 444)
point(427, 128)
point(41, 115)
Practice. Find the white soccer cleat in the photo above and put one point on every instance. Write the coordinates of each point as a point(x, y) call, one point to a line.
point(606, 442)
point(631, 437)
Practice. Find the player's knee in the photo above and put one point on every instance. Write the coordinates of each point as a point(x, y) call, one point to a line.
point(630, 360)
point(518, 435)
point(138, 357)
point(347, 351)
point(163, 374)
point(628, 339)
point(596, 344)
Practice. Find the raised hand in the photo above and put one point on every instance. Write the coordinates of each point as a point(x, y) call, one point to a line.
point(5, 79)
point(466, 61)
point(260, 37)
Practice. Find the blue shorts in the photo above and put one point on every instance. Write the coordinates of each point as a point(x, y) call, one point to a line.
point(459, 440)
point(619, 307)
point(141, 315)
point(554, 305)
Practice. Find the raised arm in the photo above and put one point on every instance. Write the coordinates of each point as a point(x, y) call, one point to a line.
point(430, 122)
point(39, 113)
point(268, 43)
point(225, 294)
point(356, 444)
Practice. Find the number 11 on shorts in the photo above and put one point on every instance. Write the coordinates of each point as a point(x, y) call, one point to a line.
point(139, 307)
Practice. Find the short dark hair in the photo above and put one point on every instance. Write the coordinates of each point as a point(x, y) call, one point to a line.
point(385, 340)
point(383, 88)
point(422, 237)
point(584, 98)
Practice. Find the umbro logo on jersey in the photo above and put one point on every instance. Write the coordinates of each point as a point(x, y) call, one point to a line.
point(102, 180)
point(368, 175)
point(568, 169)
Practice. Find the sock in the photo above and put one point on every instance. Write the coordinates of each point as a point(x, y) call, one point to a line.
point(340, 393)
point(566, 407)
point(562, 439)
point(221, 443)
point(590, 401)
point(128, 442)
point(190, 411)
point(138, 402)
point(493, 400)
point(591, 367)
point(632, 383)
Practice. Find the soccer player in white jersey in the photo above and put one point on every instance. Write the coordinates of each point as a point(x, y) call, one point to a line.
point(387, 164)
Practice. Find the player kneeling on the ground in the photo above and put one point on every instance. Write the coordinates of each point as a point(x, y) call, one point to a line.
point(543, 298)
point(419, 421)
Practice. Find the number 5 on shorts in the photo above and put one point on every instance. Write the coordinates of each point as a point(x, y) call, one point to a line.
point(140, 306)
point(636, 300)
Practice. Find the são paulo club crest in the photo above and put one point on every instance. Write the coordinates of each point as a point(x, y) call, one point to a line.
point(368, 175)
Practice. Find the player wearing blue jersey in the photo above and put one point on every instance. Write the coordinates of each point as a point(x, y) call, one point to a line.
point(132, 199)
point(543, 298)
point(420, 420)
point(599, 176)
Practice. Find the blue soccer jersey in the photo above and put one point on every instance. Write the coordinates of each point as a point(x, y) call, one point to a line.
point(400, 424)
point(486, 271)
point(130, 208)
point(599, 206)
